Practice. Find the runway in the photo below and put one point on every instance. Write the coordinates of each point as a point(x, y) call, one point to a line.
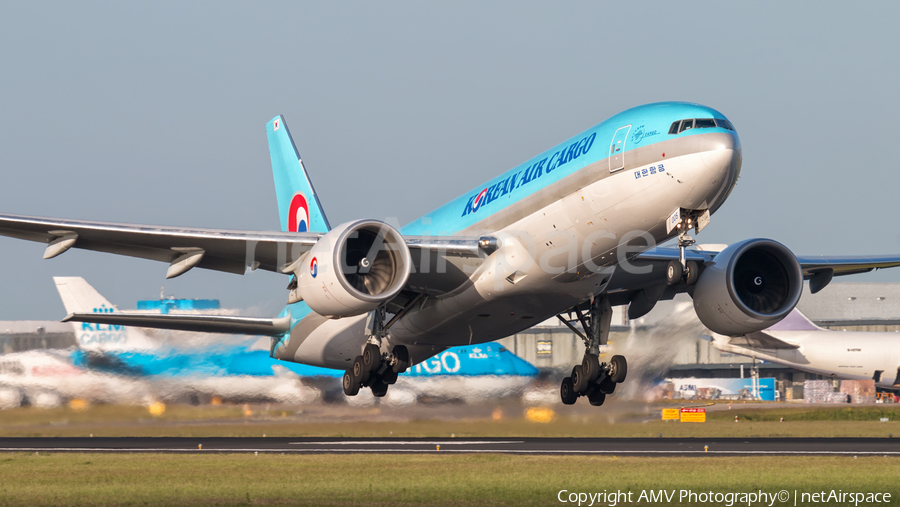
point(547, 446)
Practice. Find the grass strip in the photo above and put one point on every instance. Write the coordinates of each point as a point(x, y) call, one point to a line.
point(429, 480)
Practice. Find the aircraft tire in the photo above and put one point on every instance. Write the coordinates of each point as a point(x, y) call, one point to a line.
point(590, 365)
point(350, 384)
point(618, 369)
point(673, 272)
point(579, 380)
point(371, 357)
point(379, 388)
point(567, 392)
point(597, 397)
point(402, 355)
point(691, 273)
point(389, 377)
point(360, 372)
point(607, 386)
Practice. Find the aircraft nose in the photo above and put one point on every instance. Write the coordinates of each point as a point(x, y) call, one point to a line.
point(722, 159)
point(719, 153)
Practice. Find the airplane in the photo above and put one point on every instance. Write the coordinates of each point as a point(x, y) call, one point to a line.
point(241, 371)
point(47, 378)
point(569, 233)
point(798, 343)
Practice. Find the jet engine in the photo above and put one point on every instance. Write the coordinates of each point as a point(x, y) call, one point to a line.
point(354, 268)
point(748, 287)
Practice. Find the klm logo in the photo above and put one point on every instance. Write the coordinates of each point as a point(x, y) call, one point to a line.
point(102, 334)
point(477, 354)
point(532, 173)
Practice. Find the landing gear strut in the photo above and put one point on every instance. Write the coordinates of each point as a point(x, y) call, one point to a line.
point(592, 378)
point(372, 368)
point(683, 269)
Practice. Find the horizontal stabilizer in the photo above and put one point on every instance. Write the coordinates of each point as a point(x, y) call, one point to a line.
point(224, 324)
point(761, 340)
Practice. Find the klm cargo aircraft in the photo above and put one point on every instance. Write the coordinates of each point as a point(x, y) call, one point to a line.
point(236, 372)
point(570, 233)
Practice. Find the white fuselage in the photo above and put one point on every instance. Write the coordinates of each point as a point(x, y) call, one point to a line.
point(838, 354)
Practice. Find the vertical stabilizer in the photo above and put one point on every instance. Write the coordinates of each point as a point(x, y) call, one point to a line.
point(79, 297)
point(298, 206)
point(795, 321)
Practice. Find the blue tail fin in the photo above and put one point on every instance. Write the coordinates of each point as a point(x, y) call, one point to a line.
point(298, 205)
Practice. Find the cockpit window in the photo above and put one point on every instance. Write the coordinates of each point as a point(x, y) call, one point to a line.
point(699, 123)
point(725, 124)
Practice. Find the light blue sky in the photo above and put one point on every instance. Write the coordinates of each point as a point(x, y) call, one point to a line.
point(154, 113)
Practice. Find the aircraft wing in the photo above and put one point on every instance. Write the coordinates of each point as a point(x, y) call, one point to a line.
point(224, 324)
point(183, 248)
point(811, 265)
point(845, 265)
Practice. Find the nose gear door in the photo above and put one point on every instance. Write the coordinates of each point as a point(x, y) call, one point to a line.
point(617, 149)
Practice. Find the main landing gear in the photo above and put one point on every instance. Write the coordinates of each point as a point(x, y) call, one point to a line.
point(372, 368)
point(592, 378)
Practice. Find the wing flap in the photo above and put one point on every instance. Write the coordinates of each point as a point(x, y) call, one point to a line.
point(225, 324)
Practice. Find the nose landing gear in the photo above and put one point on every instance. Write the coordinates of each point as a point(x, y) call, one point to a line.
point(683, 269)
point(592, 378)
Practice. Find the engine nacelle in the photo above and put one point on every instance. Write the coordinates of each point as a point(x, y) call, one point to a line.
point(354, 268)
point(748, 287)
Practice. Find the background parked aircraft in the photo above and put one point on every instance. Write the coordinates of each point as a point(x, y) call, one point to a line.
point(798, 343)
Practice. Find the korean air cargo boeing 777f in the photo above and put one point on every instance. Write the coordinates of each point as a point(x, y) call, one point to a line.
point(570, 232)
